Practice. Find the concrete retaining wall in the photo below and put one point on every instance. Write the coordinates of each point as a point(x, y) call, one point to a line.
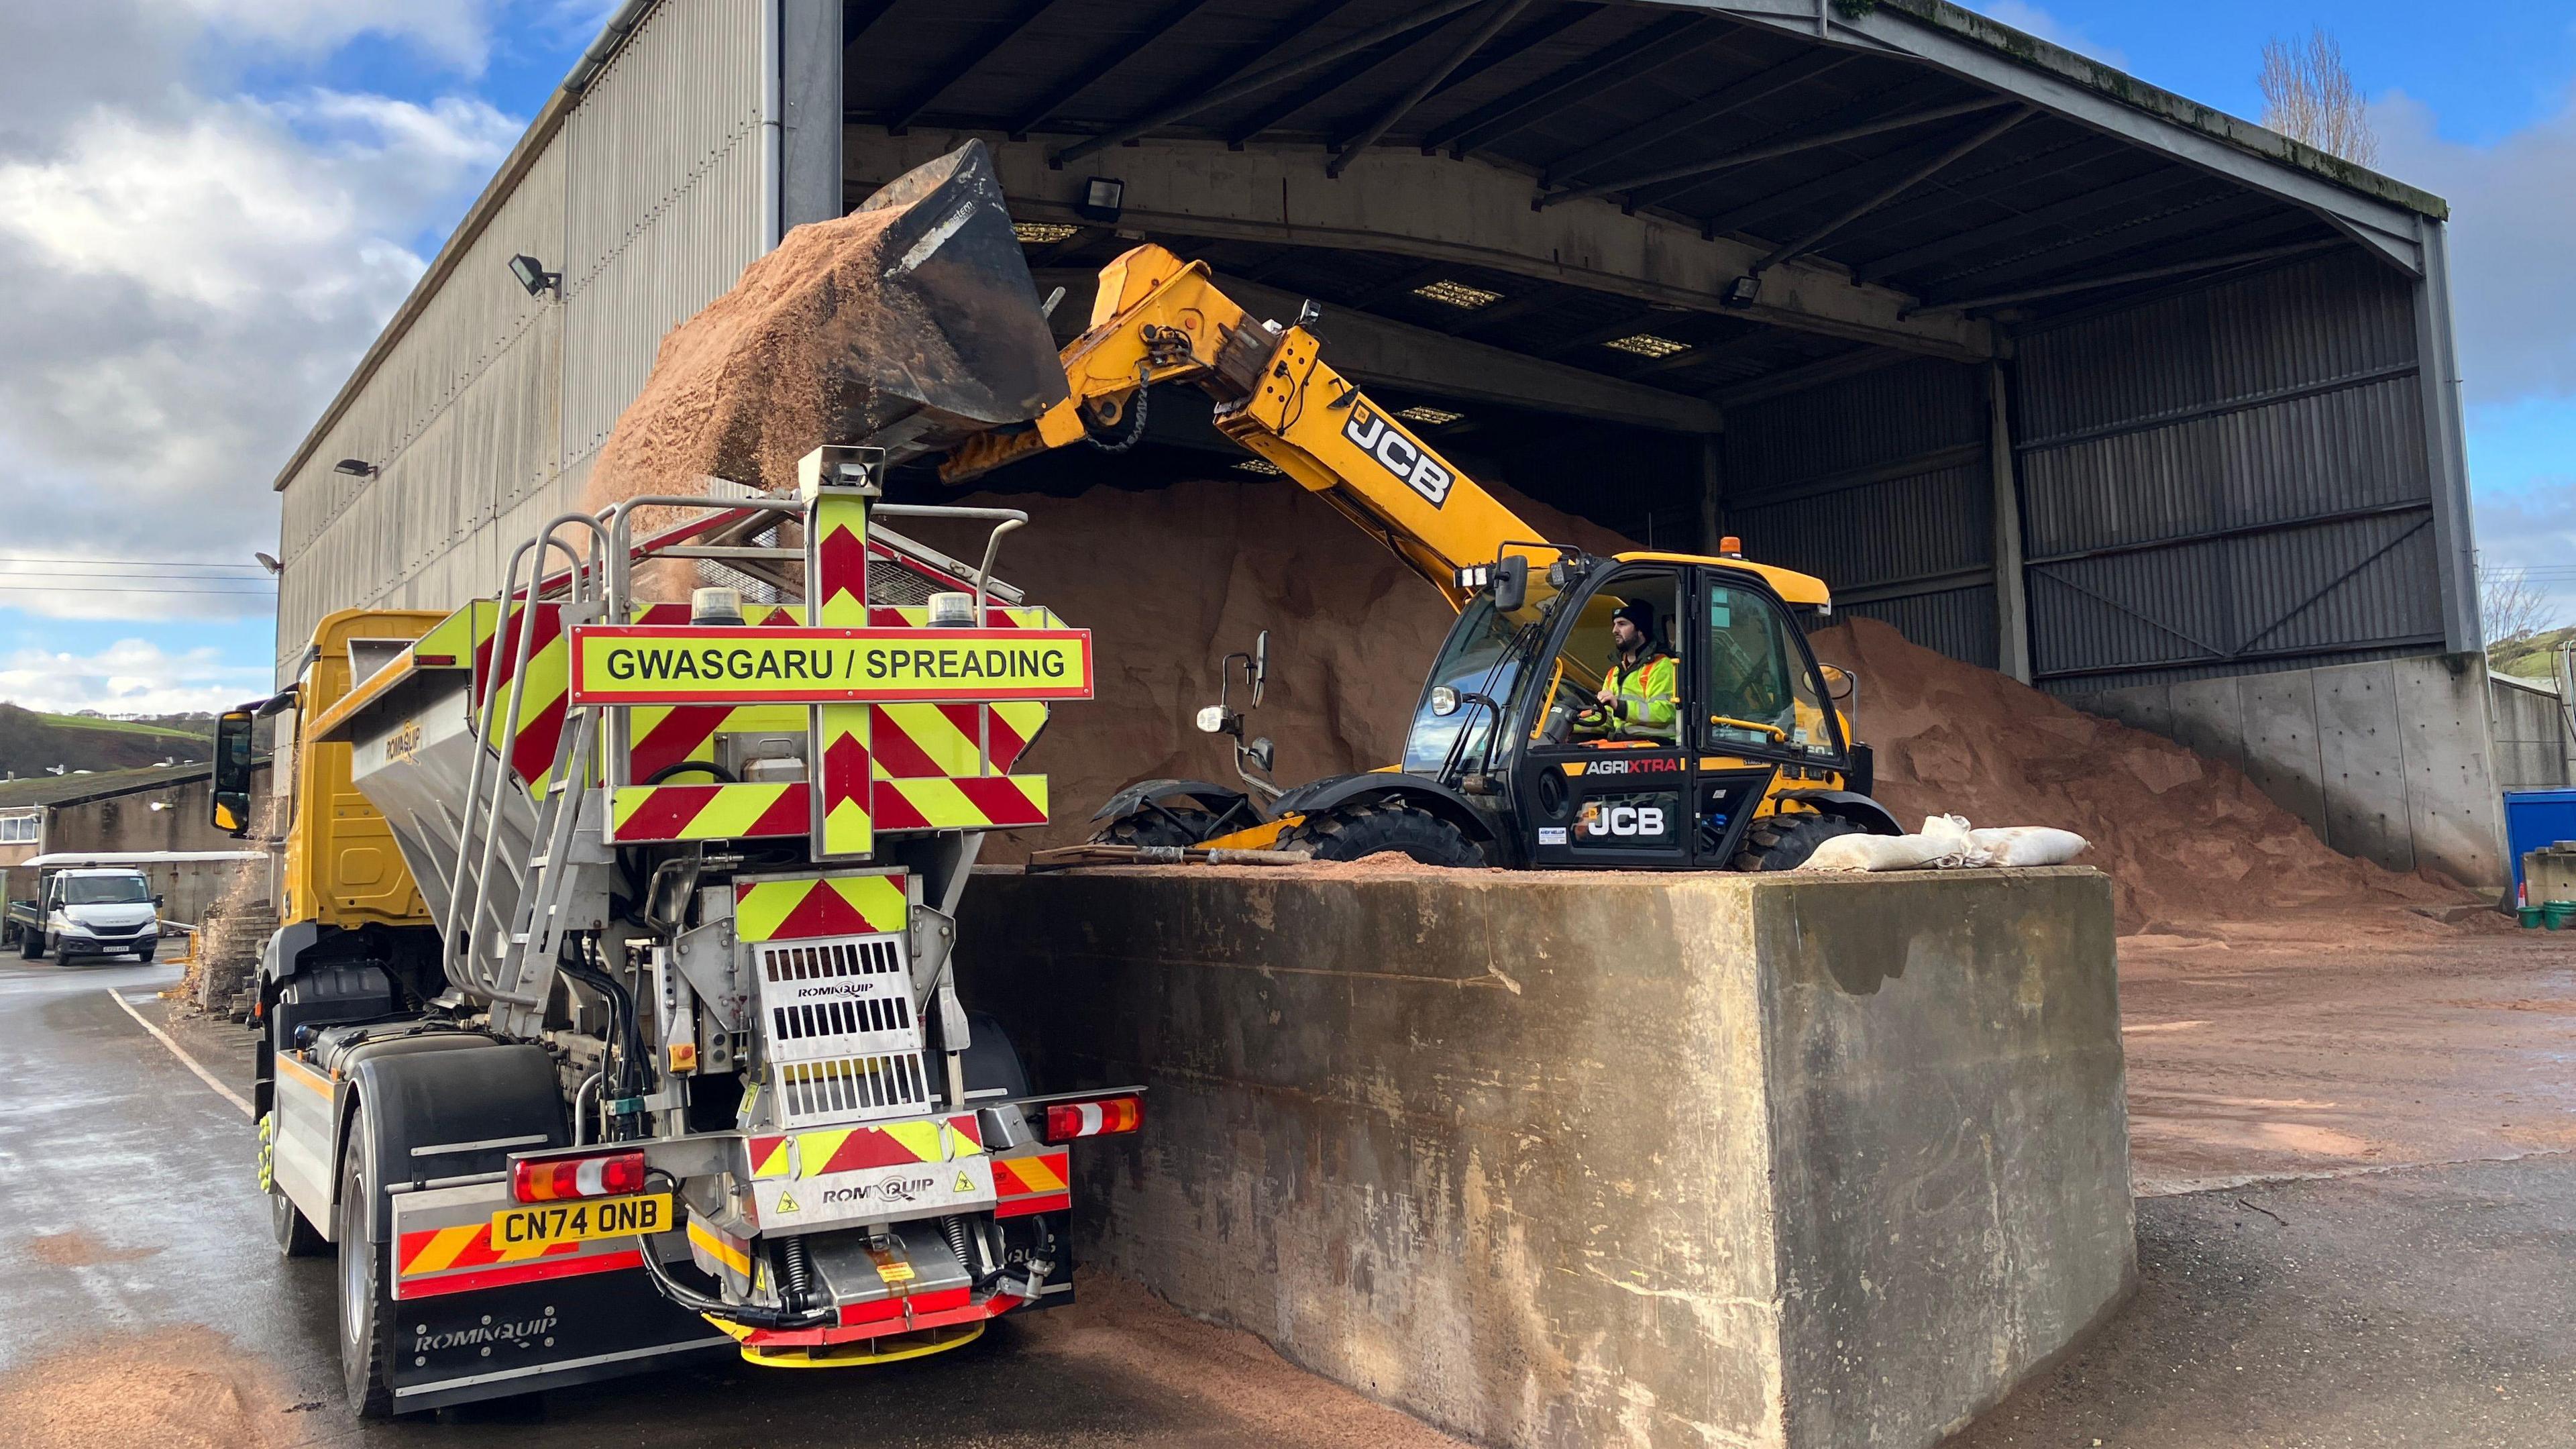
point(2387, 760)
point(1599, 1159)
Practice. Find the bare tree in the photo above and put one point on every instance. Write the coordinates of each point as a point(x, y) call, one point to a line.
point(2510, 606)
point(2309, 96)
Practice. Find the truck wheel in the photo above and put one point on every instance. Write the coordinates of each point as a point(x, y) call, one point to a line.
point(296, 1235)
point(1783, 842)
point(31, 945)
point(1354, 832)
point(366, 1338)
point(1170, 825)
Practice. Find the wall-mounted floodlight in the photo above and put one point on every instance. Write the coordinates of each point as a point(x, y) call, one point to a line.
point(1102, 197)
point(269, 562)
point(532, 274)
point(356, 468)
point(1742, 292)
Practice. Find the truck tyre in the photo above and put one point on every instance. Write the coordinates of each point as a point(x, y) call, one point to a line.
point(295, 1234)
point(366, 1333)
point(1783, 842)
point(1371, 827)
point(31, 945)
point(1170, 825)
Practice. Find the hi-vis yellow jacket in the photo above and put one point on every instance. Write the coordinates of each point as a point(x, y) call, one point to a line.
point(1646, 696)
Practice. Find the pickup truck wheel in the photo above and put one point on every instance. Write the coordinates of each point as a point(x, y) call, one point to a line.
point(31, 945)
point(366, 1338)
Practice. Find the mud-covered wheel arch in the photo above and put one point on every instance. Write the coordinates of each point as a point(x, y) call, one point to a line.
point(1359, 829)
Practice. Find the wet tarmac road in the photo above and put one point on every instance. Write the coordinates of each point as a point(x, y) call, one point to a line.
point(135, 1257)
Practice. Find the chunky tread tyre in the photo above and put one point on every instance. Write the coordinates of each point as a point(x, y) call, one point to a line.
point(366, 1332)
point(1783, 842)
point(1170, 825)
point(1355, 832)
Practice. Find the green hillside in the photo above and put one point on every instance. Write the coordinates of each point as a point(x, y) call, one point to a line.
point(33, 742)
point(2527, 658)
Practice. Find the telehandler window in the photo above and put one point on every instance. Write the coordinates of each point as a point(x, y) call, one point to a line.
point(1650, 688)
point(1759, 690)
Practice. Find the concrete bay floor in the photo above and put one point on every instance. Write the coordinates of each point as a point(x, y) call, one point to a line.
point(2353, 1148)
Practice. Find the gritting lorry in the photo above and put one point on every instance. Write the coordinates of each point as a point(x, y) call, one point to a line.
point(1509, 759)
point(614, 1015)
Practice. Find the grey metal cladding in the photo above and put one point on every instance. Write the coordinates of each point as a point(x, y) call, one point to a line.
point(1904, 528)
point(1956, 622)
point(1876, 418)
point(2308, 593)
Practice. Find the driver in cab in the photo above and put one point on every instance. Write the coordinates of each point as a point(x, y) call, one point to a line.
point(1641, 697)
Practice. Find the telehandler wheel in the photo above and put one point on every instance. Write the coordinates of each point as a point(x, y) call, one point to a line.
point(1169, 825)
point(1356, 831)
point(1783, 842)
point(366, 1335)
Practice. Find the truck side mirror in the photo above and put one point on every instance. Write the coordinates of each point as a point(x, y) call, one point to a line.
point(230, 791)
point(1260, 664)
point(1260, 752)
point(1511, 583)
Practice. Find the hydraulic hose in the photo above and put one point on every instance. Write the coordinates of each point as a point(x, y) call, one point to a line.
point(750, 1315)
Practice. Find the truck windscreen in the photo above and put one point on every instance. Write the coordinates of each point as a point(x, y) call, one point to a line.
point(105, 890)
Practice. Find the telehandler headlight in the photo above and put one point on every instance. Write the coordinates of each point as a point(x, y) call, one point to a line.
point(1213, 719)
point(1444, 700)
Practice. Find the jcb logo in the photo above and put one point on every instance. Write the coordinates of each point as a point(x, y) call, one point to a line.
point(1624, 820)
point(1398, 454)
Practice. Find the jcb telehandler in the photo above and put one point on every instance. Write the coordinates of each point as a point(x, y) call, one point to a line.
point(1509, 759)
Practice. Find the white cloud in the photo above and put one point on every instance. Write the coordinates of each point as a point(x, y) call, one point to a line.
point(186, 286)
point(130, 676)
point(456, 31)
point(2513, 208)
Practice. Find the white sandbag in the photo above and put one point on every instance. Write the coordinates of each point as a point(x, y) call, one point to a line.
point(1874, 852)
point(2027, 845)
point(1953, 845)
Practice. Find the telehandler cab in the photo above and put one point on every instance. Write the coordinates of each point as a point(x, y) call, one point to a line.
point(1509, 760)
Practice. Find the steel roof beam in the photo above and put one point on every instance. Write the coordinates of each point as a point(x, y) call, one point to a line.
point(1361, 67)
point(1902, 184)
point(1697, 113)
point(1428, 209)
point(2107, 200)
point(2142, 274)
point(2372, 209)
point(1648, 50)
point(1102, 63)
point(1776, 149)
point(2202, 217)
point(1504, 13)
point(977, 51)
point(855, 19)
point(1512, 47)
point(1264, 78)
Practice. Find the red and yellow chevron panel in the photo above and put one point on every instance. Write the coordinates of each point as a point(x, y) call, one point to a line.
point(920, 741)
point(809, 906)
point(1041, 1182)
point(995, 802)
point(801, 1155)
point(461, 1259)
point(708, 812)
point(836, 554)
point(844, 822)
point(541, 704)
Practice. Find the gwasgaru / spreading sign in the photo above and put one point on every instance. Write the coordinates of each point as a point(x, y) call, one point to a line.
point(629, 664)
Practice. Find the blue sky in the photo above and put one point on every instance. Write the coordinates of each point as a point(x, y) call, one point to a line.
point(208, 207)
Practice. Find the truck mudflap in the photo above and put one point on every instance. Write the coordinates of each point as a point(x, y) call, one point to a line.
point(492, 1342)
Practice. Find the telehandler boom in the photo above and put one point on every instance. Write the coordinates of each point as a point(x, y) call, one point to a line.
point(1510, 759)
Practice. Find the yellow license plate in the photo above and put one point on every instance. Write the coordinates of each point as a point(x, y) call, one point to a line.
point(573, 1222)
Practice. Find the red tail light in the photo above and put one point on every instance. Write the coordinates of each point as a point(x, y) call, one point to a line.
point(614, 1174)
point(1108, 1117)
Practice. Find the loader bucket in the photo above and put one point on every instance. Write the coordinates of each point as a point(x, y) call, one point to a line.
point(953, 342)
